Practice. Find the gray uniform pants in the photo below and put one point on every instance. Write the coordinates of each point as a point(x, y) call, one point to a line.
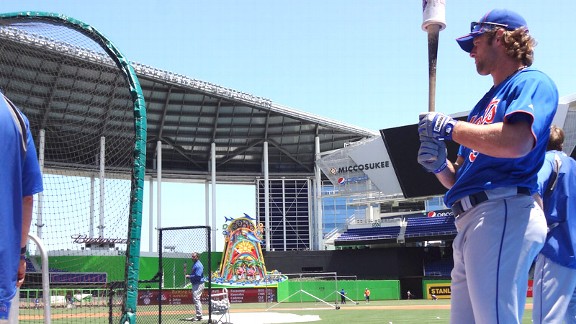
point(197, 290)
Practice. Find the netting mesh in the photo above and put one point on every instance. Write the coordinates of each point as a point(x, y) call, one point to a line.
point(176, 245)
point(81, 115)
point(323, 289)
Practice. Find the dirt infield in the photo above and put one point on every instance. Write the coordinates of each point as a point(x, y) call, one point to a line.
point(261, 315)
point(250, 311)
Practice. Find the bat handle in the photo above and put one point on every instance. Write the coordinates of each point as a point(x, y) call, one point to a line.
point(433, 35)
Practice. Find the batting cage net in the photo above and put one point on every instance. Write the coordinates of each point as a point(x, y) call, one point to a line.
point(166, 297)
point(87, 117)
point(322, 289)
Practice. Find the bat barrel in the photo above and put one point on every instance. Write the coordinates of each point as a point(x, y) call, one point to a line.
point(433, 35)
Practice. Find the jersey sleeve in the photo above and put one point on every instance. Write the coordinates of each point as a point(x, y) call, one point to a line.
point(544, 173)
point(530, 94)
point(31, 175)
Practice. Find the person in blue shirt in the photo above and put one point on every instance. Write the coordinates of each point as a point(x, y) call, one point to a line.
point(492, 184)
point(196, 277)
point(342, 296)
point(555, 270)
point(20, 179)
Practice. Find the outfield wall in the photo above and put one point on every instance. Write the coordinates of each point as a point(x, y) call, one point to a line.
point(173, 266)
point(371, 264)
point(401, 265)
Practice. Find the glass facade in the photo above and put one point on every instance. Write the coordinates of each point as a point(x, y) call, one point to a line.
point(336, 211)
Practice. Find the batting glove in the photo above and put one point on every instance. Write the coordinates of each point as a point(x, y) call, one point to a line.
point(432, 154)
point(436, 125)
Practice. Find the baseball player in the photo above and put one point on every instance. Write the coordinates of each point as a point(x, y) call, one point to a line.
point(555, 271)
point(20, 180)
point(500, 227)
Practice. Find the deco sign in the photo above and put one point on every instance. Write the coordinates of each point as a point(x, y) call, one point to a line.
point(361, 167)
point(342, 181)
point(84, 239)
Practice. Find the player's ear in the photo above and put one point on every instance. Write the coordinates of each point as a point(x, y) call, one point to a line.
point(499, 35)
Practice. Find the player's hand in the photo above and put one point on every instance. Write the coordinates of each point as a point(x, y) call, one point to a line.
point(21, 273)
point(436, 125)
point(432, 154)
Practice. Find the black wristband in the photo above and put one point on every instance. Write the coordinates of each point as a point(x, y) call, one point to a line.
point(23, 250)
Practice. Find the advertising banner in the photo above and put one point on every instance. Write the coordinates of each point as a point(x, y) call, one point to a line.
point(184, 296)
point(441, 289)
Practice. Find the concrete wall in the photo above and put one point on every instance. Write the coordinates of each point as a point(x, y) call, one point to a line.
point(388, 263)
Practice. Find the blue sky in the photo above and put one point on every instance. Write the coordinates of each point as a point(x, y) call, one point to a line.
point(363, 62)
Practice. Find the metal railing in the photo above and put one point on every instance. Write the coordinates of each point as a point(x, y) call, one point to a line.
point(45, 277)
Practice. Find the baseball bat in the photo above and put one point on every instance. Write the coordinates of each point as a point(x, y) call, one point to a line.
point(433, 22)
point(433, 35)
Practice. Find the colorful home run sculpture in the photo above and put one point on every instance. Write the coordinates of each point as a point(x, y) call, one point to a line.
point(242, 259)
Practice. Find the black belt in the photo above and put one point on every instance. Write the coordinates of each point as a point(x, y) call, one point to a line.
point(478, 198)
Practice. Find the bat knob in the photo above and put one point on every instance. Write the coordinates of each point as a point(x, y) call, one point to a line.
point(434, 13)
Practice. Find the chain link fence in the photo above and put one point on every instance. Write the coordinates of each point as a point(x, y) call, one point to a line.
point(167, 297)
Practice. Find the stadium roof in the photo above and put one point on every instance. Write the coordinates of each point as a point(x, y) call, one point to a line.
point(184, 115)
point(187, 115)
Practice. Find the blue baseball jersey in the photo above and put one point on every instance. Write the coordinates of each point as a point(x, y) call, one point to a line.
point(559, 208)
point(527, 95)
point(19, 177)
point(197, 273)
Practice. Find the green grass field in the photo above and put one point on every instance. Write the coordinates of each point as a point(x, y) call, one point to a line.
point(394, 311)
point(390, 311)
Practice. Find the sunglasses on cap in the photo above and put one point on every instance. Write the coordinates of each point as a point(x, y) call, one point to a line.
point(477, 26)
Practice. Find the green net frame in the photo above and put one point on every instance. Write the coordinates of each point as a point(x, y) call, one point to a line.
point(130, 296)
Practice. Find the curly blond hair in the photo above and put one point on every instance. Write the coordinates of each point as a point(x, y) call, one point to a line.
point(519, 44)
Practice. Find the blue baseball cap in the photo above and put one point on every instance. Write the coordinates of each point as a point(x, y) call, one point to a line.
point(503, 18)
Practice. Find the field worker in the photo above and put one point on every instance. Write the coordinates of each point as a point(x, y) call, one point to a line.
point(20, 179)
point(491, 184)
point(555, 271)
point(367, 295)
